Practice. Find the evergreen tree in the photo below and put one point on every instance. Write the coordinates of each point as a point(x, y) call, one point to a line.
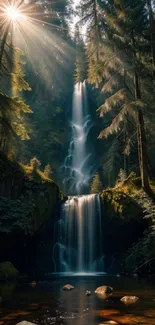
point(123, 67)
point(48, 171)
point(96, 185)
point(90, 13)
point(80, 64)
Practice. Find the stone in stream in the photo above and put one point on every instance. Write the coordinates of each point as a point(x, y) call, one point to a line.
point(33, 284)
point(104, 292)
point(25, 322)
point(109, 322)
point(68, 287)
point(118, 275)
point(88, 293)
point(128, 300)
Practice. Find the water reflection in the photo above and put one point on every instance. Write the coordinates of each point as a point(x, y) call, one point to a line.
point(48, 304)
point(78, 307)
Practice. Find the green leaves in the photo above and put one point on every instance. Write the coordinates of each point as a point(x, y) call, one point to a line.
point(15, 215)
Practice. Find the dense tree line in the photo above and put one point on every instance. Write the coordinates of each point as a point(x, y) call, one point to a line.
point(35, 78)
point(120, 49)
point(116, 56)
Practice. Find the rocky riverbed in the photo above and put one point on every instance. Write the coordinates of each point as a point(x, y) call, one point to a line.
point(47, 303)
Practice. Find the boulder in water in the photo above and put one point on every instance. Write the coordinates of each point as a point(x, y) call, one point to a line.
point(68, 287)
point(33, 284)
point(109, 322)
point(129, 300)
point(8, 271)
point(88, 293)
point(118, 275)
point(135, 275)
point(104, 291)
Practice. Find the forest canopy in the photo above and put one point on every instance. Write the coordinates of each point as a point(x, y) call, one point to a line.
point(112, 47)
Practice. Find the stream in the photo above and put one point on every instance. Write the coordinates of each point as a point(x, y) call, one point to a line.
point(47, 303)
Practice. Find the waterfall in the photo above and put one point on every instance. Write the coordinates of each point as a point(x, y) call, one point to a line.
point(78, 236)
point(79, 165)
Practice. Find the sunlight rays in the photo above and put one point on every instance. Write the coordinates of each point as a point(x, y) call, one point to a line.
point(31, 29)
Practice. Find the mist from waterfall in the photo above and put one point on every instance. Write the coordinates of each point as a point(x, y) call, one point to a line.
point(78, 167)
point(78, 236)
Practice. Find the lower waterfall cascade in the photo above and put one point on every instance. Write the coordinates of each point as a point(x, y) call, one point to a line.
point(78, 236)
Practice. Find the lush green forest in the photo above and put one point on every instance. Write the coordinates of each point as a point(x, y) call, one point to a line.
point(116, 57)
point(42, 56)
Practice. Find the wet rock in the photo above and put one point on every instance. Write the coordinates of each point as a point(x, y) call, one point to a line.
point(33, 284)
point(109, 322)
point(104, 291)
point(68, 287)
point(118, 275)
point(128, 300)
point(8, 271)
point(88, 293)
point(24, 322)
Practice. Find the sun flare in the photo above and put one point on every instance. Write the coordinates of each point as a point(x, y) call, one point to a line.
point(13, 13)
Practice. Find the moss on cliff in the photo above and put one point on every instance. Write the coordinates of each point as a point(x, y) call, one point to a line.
point(8, 271)
point(124, 223)
point(120, 203)
point(27, 197)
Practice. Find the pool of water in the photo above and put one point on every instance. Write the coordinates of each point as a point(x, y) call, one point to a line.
point(47, 303)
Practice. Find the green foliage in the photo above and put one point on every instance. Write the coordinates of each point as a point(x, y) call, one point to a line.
point(117, 199)
point(96, 185)
point(15, 215)
point(35, 163)
point(12, 107)
point(121, 177)
point(8, 271)
point(140, 255)
point(80, 73)
point(48, 171)
point(119, 58)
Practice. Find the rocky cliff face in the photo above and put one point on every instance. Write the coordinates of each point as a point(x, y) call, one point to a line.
point(25, 202)
point(29, 205)
point(123, 225)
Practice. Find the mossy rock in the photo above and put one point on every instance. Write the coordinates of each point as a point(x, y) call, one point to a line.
point(8, 271)
point(120, 205)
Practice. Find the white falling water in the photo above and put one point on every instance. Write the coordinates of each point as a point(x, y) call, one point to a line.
point(78, 236)
point(78, 168)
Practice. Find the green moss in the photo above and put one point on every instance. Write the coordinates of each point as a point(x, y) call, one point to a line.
point(27, 196)
point(8, 271)
point(119, 202)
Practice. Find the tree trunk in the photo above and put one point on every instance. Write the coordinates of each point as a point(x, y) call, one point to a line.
point(3, 42)
point(152, 36)
point(142, 151)
point(141, 136)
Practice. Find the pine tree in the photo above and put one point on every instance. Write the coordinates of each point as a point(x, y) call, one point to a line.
point(12, 107)
point(123, 67)
point(152, 36)
point(96, 185)
point(91, 16)
point(48, 171)
point(80, 73)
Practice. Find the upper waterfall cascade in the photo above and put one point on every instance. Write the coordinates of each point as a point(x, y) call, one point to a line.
point(79, 165)
point(78, 236)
